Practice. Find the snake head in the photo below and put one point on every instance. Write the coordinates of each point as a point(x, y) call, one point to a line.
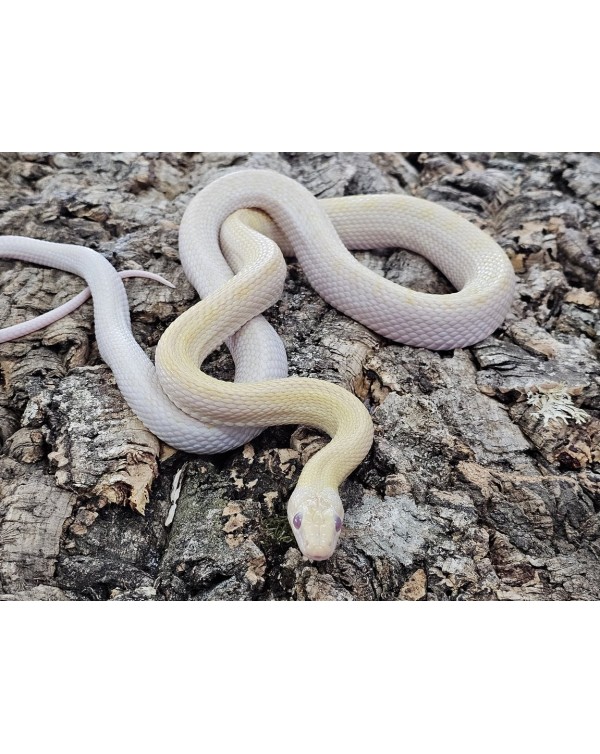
point(316, 515)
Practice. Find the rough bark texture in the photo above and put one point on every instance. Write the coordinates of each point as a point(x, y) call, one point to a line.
point(467, 493)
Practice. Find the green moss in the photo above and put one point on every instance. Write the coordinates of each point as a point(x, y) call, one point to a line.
point(276, 531)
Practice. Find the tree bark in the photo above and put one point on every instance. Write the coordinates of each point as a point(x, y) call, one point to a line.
point(471, 491)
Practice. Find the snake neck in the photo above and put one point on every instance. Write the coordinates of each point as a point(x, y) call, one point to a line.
point(352, 437)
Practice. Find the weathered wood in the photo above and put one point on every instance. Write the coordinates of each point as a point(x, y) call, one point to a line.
point(467, 493)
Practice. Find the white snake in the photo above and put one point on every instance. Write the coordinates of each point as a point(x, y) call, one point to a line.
point(234, 261)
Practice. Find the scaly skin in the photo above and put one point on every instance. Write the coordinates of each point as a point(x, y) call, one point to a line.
point(229, 243)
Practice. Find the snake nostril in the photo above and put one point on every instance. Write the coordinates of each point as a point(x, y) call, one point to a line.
point(297, 520)
point(338, 523)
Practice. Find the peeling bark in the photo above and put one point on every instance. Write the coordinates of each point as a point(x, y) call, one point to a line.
point(467, 493)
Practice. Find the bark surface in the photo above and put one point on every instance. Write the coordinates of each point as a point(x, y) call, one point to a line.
point(472, 489)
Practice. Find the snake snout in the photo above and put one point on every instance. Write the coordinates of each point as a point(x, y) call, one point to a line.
point(320, 545)
point(325, 556)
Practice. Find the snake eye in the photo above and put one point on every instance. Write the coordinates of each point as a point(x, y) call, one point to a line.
point(338, 523)
point(297, 520)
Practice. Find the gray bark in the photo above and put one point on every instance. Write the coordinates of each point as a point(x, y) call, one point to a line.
point(466, 494)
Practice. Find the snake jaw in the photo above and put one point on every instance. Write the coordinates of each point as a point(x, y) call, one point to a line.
point(316, 516)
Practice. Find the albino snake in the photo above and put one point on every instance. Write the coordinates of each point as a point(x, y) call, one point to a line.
point(233, 259)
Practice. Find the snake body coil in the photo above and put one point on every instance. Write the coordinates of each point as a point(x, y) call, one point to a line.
point(229, 242)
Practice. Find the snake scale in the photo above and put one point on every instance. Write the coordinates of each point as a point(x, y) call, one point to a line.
point(230, 243)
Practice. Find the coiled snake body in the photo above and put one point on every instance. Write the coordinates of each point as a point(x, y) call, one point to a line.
point(229, 244)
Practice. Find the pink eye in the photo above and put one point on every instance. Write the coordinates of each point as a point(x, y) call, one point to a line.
point(338, 523)
point(297, 520)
